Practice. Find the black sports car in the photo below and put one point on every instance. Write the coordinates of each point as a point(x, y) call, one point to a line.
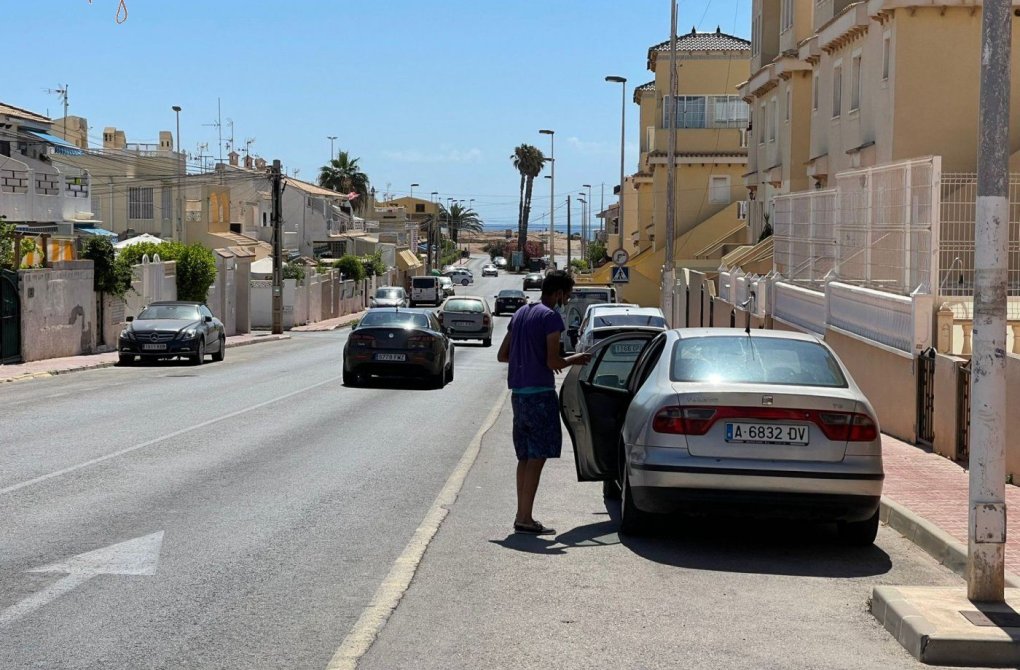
point(398, 342)
point(167, 329)
point(509, 300)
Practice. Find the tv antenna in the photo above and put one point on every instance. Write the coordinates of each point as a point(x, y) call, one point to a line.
point(62, 93)
point(247, 145)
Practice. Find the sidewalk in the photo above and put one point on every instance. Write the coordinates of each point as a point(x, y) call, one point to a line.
point(925, 497)
point(58, 366)
point(330, 324)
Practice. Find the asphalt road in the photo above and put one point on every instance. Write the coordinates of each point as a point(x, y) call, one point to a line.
point(281, 498)
point(245, 514)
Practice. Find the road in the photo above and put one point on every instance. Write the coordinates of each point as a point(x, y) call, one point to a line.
point(244, 514)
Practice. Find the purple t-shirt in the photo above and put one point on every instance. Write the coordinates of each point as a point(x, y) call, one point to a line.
point(530, 325)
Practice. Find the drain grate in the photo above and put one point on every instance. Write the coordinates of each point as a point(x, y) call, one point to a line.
point(992, 619)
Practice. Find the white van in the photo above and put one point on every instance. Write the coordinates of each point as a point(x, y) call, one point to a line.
point(426, 290)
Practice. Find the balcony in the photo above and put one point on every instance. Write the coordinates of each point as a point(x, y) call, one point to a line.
point(33, 192)
point(849, 20)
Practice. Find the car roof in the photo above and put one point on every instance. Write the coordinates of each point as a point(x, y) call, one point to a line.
point(596, 310)
point(194, 303)
point(467, 297)
point(689, 333)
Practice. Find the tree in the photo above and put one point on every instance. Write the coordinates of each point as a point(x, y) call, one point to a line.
point(596, 253)
point(109, 276)
point(351, 267)
point(373, 265)
point(529, 161)
point(496, 248)
point(7, 246)
point(344, 175)
point(459, 218)
point(196, 272)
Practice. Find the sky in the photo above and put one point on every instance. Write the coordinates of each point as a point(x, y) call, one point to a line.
point(434, 93)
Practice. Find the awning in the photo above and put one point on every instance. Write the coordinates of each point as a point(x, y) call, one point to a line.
point(407, 261)
point(92, 230)
point(61, 146)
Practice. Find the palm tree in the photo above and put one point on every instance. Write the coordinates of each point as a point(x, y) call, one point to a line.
point(459, 218)
point(343, 174)
point(529, 161)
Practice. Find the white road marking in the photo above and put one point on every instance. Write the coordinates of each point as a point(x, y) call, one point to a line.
point(139, 556)
point(156, 440)
point(392, 589)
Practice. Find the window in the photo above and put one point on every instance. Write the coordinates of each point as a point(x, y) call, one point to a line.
point(789, 103)
point(886, 55)
point(814, 92)
point(140, 203)
point(762, 118)
point(728, 111)
point(166, 203)
point(743, 360)
point(265, 219)
point(786, 21)
point(855, 83)
point(773, 119)
point(719, 190)
point(419, 208)
point(690, 111)
point(649, 138)
point(837, 90)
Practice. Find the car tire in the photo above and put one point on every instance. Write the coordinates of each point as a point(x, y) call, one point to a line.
point(221, 352)
point(633, 521)
point(611, 490)
point(350, 379)
point(859, 533)
point(199, 358)
point(125, 360)
point(487, 342)
point(465, 282)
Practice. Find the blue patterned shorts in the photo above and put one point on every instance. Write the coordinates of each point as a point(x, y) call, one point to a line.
point(537, 431)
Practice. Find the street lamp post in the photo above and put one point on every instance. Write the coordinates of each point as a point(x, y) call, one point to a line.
point(584, 209)
point(623, 136)
point(587, 221)
point(412, 190)
point(331, 154)
point(431, 231)
point(552, 193)
point(180, 176)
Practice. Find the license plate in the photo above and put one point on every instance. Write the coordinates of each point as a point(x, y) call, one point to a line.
point(391, 357)
point(464, 324)
point(627, 349)
point(154, 347)
point(767, 433)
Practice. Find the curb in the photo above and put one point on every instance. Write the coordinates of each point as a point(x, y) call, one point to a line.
point(931, 539)
point(109, 364)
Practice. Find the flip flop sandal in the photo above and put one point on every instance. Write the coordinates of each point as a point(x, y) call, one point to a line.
point(533, 529)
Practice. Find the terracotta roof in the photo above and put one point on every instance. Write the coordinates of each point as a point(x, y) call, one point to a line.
point(18, 112)
point(650, 86)
point(312, 189)
point(695, 41)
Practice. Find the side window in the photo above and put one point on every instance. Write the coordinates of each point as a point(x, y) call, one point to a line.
point(615, 362)
point(205, 310)
point(646, 362)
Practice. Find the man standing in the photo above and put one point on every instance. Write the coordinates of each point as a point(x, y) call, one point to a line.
point(532, 348)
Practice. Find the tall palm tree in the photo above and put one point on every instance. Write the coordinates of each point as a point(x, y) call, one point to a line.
point(459, 218)
point(343, 174)
point(529, 161)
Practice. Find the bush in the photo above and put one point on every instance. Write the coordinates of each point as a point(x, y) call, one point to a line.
point(109, 275)
point(496, 248)
point(293, 272)
point(7, 246)
point(196, 272)
point(596, 253)
point(373, 265)
point(579, 264)
point(167, 251)
point(350, 267)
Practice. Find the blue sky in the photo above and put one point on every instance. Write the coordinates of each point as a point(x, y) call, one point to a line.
point(435, 93)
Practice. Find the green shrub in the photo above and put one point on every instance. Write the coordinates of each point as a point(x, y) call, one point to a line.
point(109, 275)
point(350, 267)
point(373, 265)
point(196, 272)
point(293, 272)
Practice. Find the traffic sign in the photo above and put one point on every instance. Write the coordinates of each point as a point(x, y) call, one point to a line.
point(620, 256)
point(621, 274)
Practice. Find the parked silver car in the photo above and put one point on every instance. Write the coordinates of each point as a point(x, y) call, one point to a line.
point(766, 423)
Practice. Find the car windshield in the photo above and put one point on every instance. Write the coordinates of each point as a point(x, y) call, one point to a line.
point(390, 294)
point(464, 305)
point(182, 312)
point(753, 359)
point(622, 320)
point(510, 293)
point(375, 319)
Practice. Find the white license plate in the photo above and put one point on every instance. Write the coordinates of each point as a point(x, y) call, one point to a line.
point(464, 324)
point(391, 357)
point(768, 433)
point(154, 347)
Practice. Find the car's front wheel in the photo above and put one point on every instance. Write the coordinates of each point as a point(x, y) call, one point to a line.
point(859, 533)
point(126, 359)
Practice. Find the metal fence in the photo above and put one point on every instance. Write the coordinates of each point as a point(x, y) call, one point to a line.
point(804, 234)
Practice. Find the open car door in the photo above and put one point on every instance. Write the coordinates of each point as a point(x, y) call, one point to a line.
point(593, 403)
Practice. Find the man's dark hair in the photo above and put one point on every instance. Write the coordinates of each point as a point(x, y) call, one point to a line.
point(557, 280)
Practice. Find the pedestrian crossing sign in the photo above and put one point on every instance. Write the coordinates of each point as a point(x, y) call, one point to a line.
point(621, 274)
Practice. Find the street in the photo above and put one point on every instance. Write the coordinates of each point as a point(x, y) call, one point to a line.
point(261, 504)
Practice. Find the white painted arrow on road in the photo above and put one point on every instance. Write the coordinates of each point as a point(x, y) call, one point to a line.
point(139, 556)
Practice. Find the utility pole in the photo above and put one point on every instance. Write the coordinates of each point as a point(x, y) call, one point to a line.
point(570, 270)
point(181, 168)
point(668, 268)
point(987, 512)
point(276, 175)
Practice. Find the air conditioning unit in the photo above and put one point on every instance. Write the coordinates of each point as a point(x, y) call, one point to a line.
point(742, 207)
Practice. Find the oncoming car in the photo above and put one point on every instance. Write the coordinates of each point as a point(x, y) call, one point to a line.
point(533, 280)
point(713, 419)
point(394, 342)
point(167, 329)
point(388, 296)
point(490, 271)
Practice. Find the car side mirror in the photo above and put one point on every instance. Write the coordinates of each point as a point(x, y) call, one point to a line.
point(130, 319)
point(208, 319)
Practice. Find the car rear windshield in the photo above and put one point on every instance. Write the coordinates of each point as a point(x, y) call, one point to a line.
point(511, 293)
point(184, 312)
point(394, 320)
point(747, 359)
point(390, 293)
point(622, 320)
point(596, 295)
point(423, 282)
point(462, 305)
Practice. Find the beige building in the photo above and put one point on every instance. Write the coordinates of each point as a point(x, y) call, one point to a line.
point(711, 157)
point(837, 85)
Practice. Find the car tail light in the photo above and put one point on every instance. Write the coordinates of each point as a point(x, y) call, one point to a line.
point(362, 340)
point(683, 420)
point(849, 427)
point(419, 342)
point(485, 320)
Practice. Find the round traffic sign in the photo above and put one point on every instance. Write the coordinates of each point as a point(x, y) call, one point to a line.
point(620, 256)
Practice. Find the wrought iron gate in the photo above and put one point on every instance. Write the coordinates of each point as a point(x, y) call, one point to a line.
point(926, 396)
point(10, 318)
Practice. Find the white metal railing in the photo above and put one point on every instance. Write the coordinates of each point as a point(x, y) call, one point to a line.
point(799, 307)
point(901, 322)
point(804, 235)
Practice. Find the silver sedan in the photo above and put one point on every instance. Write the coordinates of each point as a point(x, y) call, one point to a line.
point(719, 420)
